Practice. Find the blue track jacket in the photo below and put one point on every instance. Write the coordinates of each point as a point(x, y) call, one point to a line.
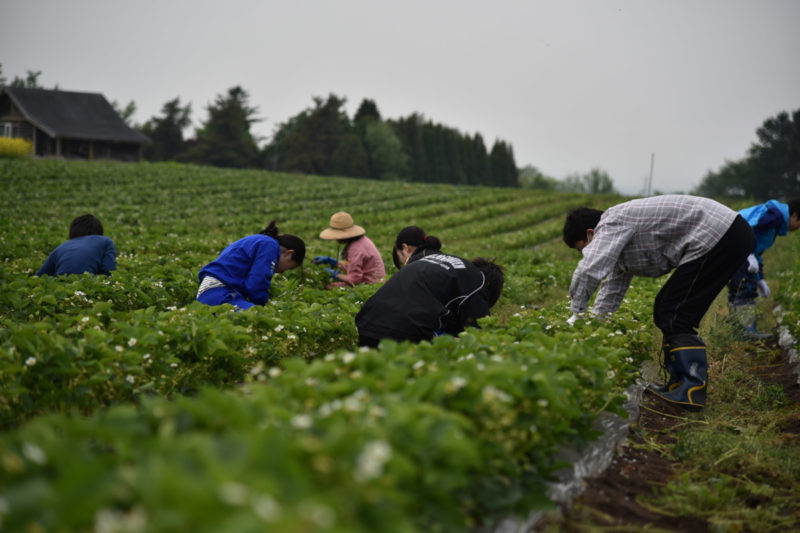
point(247, 266)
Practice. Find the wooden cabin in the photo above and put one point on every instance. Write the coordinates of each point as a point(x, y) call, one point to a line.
point(69, 125)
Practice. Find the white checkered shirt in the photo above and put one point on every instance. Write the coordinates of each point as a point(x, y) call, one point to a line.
point(646, 237)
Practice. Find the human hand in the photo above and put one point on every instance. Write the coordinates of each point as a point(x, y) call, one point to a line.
point(763, 288)
point(752, 264)
point(324, 259)
point(334, 273)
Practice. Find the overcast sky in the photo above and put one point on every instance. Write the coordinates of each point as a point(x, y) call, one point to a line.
point(570, 84)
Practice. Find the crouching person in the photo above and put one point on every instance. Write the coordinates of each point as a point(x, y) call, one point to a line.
point(703, 241)
point(86, 251)
point(768, 220)
point(242, 273)
point(431, 295)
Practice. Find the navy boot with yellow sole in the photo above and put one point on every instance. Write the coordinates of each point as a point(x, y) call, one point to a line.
point(688, 373)
point(666, 368)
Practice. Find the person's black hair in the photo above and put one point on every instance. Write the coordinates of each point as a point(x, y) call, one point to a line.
point(342, 253)
point(794, 206)
point(578, 221)
point(414, 236)
point(288, 241)
point(494, 277)
point(350, 240)
point(85, 225)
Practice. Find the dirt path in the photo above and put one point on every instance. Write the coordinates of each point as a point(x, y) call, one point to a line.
point(616, 500)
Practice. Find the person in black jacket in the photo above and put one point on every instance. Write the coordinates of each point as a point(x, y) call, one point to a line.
point(432, 294)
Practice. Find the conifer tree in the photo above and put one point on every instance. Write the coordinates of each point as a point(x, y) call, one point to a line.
point(166, 131)
point(225, 140)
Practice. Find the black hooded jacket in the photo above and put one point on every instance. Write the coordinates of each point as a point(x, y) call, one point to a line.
point(432, 294)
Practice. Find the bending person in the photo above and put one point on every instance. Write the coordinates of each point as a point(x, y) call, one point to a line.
point(360, 261)
point(242, 273)
point(768, 220)
point(702, 240)
point(431, 295)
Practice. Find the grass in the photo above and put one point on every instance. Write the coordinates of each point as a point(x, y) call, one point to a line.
point(738, 469)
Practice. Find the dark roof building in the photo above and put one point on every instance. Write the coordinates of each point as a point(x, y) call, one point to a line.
point(68, 124)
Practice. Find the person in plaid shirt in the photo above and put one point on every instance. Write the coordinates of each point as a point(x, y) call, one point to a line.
point(703, 241)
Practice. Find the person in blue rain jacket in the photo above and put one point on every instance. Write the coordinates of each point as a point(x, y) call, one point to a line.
point(768, 220)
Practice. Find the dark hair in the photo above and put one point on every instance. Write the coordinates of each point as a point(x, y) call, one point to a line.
point(288, 241)
point(578, 221)
point(85, 225)
point(794, 206)
point(494, 277)
point(414, 236)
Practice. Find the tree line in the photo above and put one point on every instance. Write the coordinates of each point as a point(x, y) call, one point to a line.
point(771, 168)
point(324, 140)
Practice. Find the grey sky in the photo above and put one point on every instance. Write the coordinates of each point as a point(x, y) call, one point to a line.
point(571, 84)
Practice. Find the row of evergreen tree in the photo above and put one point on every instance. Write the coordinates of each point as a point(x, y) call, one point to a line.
point(323, 140)
point(771, 168)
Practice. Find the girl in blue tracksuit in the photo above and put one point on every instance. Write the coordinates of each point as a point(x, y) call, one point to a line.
point(242, 273)
point(768, 220)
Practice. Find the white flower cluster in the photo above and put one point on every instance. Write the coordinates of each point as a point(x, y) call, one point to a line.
point(33, 453)
point(456, 384)
point(114, 520)
point(301, 421)
point(353, 404)
point(372, 459)
point(233, 493)
point(490, 394)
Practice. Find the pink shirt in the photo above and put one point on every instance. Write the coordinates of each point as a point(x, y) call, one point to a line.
point(362, 265)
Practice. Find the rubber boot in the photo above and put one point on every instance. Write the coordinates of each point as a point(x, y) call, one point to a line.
point(744, 318)
point(666, 366)
point(751, 333)
point(690, 369)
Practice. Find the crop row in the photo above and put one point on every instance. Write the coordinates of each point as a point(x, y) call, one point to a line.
point(438, 436)
point(183, 416)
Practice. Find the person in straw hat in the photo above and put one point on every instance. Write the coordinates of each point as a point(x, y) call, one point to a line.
point(360, 260)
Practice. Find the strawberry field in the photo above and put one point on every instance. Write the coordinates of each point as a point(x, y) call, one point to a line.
point(128, 406)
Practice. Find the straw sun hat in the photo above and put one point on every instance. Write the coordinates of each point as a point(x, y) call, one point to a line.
point(342, 227)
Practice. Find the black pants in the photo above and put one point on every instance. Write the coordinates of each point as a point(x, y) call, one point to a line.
point(691, 289)
point(369, 342)
point(743, 288)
